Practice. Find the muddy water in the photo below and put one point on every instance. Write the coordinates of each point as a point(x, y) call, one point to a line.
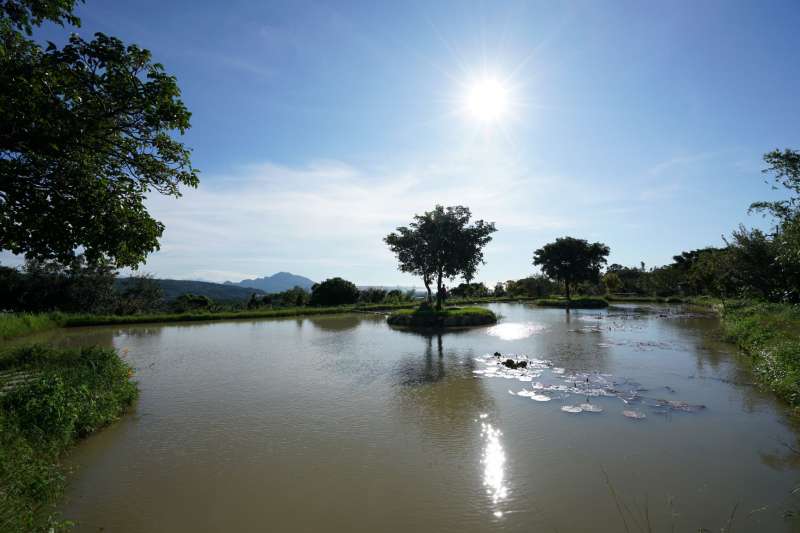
point(343, 424)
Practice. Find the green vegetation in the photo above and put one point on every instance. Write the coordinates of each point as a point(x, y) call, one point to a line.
point(49, 398)
point(623, 298)
point(770, 334)
point(19, 324)
point(334, 291)
point(441, 245)
point(86, 134)
point(201, 316)
point(584, 302)
point(571, 261)
point(425, 316)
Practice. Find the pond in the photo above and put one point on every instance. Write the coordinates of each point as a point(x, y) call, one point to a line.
point(340, 423)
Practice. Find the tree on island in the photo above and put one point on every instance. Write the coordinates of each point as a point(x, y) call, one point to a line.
point(571, 261)
point(86, 134)
point(440, 245)
point(334, 291)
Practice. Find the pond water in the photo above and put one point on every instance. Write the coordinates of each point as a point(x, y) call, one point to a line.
point(341, 423)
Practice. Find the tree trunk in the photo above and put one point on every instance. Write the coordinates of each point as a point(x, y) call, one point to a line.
point(566, 289)
point(427, 283)
point(439, 295)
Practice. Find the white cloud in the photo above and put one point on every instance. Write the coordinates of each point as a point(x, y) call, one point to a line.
point(329, 217)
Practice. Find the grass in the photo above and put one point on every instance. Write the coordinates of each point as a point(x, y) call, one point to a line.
point(644, 299)
point(49, 398)
point(581, 302)
point(770, 334)
point(427, 317)
point(19, 324)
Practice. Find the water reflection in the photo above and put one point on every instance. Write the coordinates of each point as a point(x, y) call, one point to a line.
point(493, 460)
point(429, 369)
point(514, 331)
point(336, 323)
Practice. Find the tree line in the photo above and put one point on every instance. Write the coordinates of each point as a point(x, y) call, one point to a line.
point(89, 129)
point(441, 245)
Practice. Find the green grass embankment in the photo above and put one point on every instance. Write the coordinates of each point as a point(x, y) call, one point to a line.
point(770, 335)
point(49, 398)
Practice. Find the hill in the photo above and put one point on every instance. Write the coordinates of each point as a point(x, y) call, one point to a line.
point(216, 291)
point(279, 282)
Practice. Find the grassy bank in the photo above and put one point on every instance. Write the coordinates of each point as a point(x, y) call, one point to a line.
point(19, 324)
point(770, 334)
point(583, 302)
point(426, 317)
point(202, 316)
point(644, 299)
point(15, 325)
point(49, 398)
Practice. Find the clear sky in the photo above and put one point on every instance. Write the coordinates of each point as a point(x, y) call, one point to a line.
point(319, 127)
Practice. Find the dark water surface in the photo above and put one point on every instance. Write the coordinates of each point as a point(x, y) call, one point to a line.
point(341, 423)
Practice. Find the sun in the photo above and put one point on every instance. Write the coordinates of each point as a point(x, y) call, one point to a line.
point(487, 100)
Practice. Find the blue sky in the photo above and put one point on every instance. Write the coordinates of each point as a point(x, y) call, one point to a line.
point(319, 127)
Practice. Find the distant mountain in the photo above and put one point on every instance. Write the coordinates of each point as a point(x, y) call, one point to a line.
point(279, 282)
point(216, 291)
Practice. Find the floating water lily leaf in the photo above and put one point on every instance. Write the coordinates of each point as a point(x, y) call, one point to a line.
point(634, 414)
point(533, 395)
point(571, 408)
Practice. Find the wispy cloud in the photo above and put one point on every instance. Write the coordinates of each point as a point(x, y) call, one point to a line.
point(332, 215)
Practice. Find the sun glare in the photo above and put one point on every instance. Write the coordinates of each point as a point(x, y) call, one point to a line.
point(487, 100)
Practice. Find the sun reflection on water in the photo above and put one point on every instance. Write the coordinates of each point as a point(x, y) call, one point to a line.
point(512, 331)
point(494, 462)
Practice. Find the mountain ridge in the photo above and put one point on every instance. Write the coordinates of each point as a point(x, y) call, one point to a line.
point(278, 282)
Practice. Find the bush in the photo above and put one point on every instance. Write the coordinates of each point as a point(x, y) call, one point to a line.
point(191, 302)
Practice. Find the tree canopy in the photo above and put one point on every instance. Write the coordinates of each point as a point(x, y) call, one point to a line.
point(86, 133)
point(784, 166)
point(571, 261)
point(334, 291)
point(441, 245)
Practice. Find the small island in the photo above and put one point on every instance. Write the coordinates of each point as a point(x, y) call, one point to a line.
point(448, 317)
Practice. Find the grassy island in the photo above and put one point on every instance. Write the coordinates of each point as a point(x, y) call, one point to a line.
point(574, 303)
point(449, 317)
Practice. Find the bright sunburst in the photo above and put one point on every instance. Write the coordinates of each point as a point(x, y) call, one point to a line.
point(487, 99)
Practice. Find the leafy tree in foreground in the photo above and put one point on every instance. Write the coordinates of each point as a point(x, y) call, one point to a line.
point(86, 133)
point(334, 291)
point(571, 261)
point(440, 245)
